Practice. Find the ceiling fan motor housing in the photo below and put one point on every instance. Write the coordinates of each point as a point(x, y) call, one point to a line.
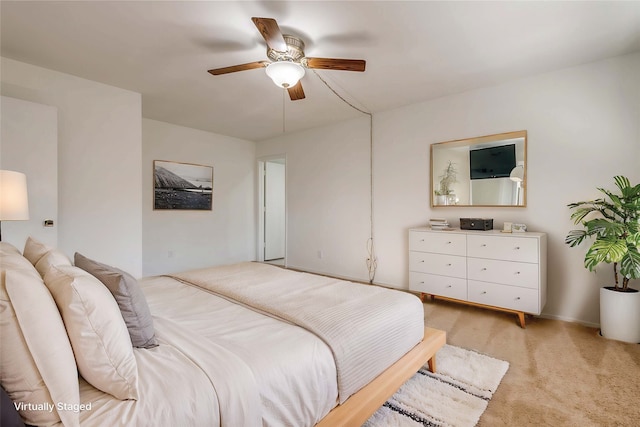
point(295, 50)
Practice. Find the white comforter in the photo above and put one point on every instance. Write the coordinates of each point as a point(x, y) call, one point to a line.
point(220, 362)
point(368, 328)
point(292, 381)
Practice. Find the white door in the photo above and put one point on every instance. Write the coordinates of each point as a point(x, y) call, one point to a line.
point(274, 214)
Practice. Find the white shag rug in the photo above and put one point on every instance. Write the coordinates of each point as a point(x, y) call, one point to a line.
point(456, 395)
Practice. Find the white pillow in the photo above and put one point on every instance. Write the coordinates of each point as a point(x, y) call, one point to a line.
point(34, 250)
point(49, 349)
point(97, 332)
point(36, 362)
point(8, 248)
point(53, 257)
point(42, 257)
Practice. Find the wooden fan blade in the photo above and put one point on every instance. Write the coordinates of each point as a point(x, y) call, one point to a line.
point(241, 67)
point(296, 92)
point(271, 32)
point(336, 64)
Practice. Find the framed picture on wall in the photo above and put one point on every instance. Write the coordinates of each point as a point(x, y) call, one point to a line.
point(182, 186)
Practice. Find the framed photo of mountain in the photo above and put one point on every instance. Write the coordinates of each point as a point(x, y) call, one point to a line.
point(182, 186)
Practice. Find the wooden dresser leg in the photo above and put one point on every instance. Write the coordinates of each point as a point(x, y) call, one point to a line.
point(432, 364)
point(521, 318)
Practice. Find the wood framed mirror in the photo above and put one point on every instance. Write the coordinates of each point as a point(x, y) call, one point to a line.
point(488, 171)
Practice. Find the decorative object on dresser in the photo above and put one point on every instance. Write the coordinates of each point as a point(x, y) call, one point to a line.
point(488, 269)
point(518, 228)
point(476, 223)
point(615, 225)
point(439, 224)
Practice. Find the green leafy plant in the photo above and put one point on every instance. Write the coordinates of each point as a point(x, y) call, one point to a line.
point(614, 223)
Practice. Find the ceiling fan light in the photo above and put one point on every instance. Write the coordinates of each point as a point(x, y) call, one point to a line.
point(285, 73)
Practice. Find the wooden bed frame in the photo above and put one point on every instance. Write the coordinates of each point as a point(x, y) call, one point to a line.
point(360, 406)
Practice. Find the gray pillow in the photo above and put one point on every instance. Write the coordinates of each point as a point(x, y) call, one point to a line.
point(129, 297)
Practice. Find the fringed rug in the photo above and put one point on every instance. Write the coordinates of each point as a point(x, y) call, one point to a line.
point(456, 395)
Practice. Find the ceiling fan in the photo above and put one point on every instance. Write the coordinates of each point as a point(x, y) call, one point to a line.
point(287, 60)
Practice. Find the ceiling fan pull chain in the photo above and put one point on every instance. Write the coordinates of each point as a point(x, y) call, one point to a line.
point(284, 99)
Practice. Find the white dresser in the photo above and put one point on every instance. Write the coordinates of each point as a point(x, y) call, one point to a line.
point(501, 271)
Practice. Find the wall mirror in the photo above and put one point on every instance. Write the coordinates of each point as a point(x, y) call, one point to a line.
point(484, 171)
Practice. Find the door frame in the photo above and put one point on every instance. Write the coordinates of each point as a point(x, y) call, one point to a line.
point(260, 238)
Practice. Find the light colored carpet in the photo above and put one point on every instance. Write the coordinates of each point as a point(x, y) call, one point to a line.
point(456, 395)
point(561, 374)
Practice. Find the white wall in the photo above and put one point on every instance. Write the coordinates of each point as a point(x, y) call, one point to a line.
point(583, 129)
point(328, 197)
point(29, 144)
point(180, 240)
point(99, 157)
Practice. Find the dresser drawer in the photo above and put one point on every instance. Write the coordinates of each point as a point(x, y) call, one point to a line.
point(521, 299)
point(451, 287)
point(443, 265)
point(440, 242)
point(503, 248)
point(505, 272)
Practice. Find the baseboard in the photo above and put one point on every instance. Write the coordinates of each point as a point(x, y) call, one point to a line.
point(570, 320)
point(321, 273)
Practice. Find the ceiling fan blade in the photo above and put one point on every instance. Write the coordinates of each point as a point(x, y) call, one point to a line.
point(296, 92)
point(241, 67)
point(336, 64)
point(271, 32)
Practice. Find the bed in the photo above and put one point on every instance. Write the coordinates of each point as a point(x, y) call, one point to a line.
point(246, 344)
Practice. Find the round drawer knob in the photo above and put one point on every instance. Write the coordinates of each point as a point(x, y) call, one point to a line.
point(483, 269)
point(448, 286)
point(517, 247)
point(484, 292)
point(517, 272)
point(448, 265)
point(448, 243)
point(517, 298)
point(483, 245)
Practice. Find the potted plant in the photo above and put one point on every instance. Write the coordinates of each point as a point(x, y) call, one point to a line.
point(613, 223)
point(444, 193)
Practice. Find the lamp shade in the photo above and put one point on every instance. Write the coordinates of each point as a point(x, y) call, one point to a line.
point(517, 174)
point(284, 73)
point(14, 203)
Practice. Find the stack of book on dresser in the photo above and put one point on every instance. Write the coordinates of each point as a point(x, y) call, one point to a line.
point(439, 224)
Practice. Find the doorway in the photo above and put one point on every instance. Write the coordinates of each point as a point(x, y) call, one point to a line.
point(272, 215)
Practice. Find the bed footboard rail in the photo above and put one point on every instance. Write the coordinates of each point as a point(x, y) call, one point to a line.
point(361, 405)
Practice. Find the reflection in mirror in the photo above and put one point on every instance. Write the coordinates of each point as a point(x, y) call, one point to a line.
point(484, 171)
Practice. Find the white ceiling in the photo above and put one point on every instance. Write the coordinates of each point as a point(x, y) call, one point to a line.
point(415, 51)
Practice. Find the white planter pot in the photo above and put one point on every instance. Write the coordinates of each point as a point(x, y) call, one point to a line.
point(441, 200)
point(620, 315)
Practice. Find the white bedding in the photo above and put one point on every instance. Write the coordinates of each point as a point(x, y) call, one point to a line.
point(368, 328)
point(293, 375)
point(221, 362)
